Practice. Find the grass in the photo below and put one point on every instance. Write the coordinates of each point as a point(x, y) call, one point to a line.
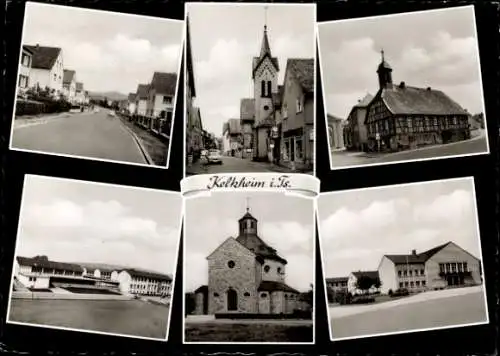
point(156, 147)
point(212, 332)
point(130, 317)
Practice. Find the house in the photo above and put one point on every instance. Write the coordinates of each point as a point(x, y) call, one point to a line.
point(235, 137)
point(86, 97)
point(160, 105)
point(403, 116)
point(296, 129)
point(79, 93)
point(355, 134)
point(141, 99)
point(131, 103)
point(69, 85)
point(352, 282)
point(265, 71)
point(138, 282)
point(226, 143)
point(247, 119)
point(47, 68)
point(246, 275)
point(337, 284)
point(444, 266)
point(25, 69)
point(335, 132)
point(195, 128)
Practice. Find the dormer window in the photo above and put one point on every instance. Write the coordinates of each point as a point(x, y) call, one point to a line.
point(267, 268)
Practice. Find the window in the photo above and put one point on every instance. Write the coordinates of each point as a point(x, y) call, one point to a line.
point(298, 148)
point(401, 284)
point(406, 284)
point(231, 264)
point(246, 294)
point(266, 107)
point(266, 268)
point(55, 76)
point(411, 273)
point(411, 284)
point(417, 283)
point(167, 99)
point(299, 105)
point(263, 89)
point(269, 88)
point(422, 272)
point(263, 295)
point(423, 283)
point(399, 273)
point(285, 112)
point(216, 294)
point(25, 60)
point(279, 270)
point(465, 267)
point(405, 273)
point(286, 153)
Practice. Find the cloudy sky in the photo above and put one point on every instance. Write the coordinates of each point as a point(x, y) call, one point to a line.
point(225, 38)
point(358, 227)
point(431, 48)
point(74, 221)
point(209, 221)
point(109, 51)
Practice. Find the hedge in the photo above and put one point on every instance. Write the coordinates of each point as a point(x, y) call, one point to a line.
point(47, 106)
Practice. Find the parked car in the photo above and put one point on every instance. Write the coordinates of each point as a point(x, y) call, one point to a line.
point(214, 156)
point(111, 113)
point(96, 110)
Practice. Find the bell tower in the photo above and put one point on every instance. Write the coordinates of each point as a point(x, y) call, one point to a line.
point(247, 224)
point(384, 72)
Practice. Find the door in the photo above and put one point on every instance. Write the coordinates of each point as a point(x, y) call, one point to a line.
point(232, 300)
point(292, 149)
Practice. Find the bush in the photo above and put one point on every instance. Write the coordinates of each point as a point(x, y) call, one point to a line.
point(41, 105)
point(390, 292)
point(362, 300)
point(400, 293)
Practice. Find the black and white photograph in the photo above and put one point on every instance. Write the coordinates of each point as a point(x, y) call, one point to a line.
point(250, 88)
point(97, 85)
point(95, 258)
point(394, 96)
point(249, 268)
point(402, 258)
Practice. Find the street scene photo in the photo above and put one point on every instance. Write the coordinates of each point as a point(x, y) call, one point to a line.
point(95, 258)
point(250, 279)
point(400, 96)
point(96, 85)
point(402, 258)
point(250, 88)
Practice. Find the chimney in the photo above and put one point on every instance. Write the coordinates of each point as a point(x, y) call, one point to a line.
point(402, 85)
point(414, 252)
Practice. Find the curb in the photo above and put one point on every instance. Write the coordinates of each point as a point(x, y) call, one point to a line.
point(138, 141)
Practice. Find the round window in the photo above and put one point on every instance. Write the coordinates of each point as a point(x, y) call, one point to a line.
point(266, 107)
point(266, 268)
point(231, 264)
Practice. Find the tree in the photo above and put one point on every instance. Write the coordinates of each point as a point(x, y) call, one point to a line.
point(364, 283)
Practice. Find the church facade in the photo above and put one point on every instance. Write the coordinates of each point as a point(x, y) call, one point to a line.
point(246, 275)
point(402, 116)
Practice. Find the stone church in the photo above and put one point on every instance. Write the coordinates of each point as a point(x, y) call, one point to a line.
point(247, 276)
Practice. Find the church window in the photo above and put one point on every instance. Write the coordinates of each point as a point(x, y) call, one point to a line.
point(269, 89)
point(266, 107)
point(231, 264)
point(299, 105)
point(246, 294)
point(263, 295)
point(266, 268)
point(216, 294)
point(263, 88)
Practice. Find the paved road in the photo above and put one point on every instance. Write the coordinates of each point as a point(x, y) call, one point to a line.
point(90, 135)
point(346, 159)
point(435, 313)
point(234, 165)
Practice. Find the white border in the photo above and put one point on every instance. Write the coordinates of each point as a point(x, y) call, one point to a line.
point(261, 4)
point(409, 331)
point(34, 4)
point(487, 152)
point(176, 258)
point(313, 281)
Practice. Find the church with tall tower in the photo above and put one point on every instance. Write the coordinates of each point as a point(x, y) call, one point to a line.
point(246, 275)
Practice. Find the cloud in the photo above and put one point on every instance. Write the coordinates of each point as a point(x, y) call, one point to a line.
point(297, 236)
point(446, 208)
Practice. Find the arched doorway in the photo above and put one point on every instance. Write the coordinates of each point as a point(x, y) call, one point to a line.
point(232, 300)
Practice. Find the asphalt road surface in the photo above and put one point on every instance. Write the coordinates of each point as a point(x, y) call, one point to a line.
point(435, 313)
point(475, 145)
point(233, 165)
point(88, 134)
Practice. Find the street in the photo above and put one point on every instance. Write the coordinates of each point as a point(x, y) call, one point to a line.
point(448, 311)
point(87, 135)
point(234, 165)
point(345, 159)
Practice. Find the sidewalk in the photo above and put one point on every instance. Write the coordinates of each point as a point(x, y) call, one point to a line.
point(30, 120)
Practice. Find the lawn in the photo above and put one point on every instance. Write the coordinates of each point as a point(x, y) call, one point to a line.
point(128, 317)
point(213, 332)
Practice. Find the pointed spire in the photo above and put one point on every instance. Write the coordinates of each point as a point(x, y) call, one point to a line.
point(382, 53)
point(265, 49)
point(248, 205)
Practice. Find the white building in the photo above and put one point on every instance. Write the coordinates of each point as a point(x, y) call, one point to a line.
point(47, 68)
point(131, 103)
point(79, 93)
point(69, 85)
point(141, 99)
point(161, 95)
point(137, 282)
point(25, 68)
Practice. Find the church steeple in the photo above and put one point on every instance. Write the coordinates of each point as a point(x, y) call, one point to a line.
point(265, 48)
point(248, 224)
point(384, 72)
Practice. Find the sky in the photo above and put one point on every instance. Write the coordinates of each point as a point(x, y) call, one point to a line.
point(225, 38)
point(358, 227)
point(109, 51)
point(209, 221)
point(436, 49)
point(76, 221)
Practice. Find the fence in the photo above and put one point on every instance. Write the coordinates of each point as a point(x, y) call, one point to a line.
point(159, 126)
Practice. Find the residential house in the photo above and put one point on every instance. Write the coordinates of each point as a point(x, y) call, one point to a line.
point(355, 134)
point(131, 103)
point(86, 97)
point(444, 266)
point(160, 105)
point(79, 93)
point(69, 85)
point(297, 115)
point(335, 132)
point(337, 284)
point(352, 282)
point(247, 118)
point(226, 143)
point(141, 99)
point(47, 68)
point(235, 137)
point(402, 116)
point(24, 69)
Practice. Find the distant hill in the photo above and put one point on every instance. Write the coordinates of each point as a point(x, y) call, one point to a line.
point(111, 95)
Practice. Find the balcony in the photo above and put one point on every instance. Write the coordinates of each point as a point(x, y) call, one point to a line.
point(456, 273)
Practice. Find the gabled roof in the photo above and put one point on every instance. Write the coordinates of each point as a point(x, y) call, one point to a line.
point(147, 274)
point(417, 258)
point(255, 244)
point(271, 286)
point(68, 76)
point(370, 274)
point(164, 83)
point(406, 100)
point(79, 86)
point(336, 279)
point(247, 109)
point(363, 103)
point(247, 216)
point(44, 262)
point(43, 57)
point(131, 96)
point(303, 71)
point(234, 126)
point(265, 52)
point(142, 91)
